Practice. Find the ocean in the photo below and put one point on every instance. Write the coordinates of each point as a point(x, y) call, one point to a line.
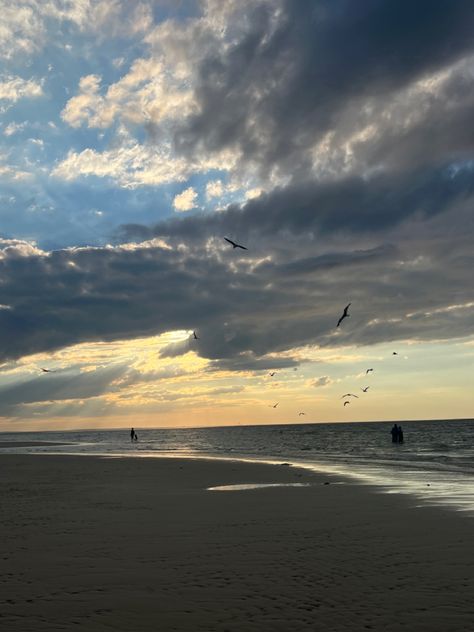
point(435, 463)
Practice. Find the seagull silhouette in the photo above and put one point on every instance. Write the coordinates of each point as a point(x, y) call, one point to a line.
point(47, 370)
point(344, 315)
point(394, 353)
point(196, 337)
point(364, 390)
point(234, 245)
point(274, 405)
point(368, 371)
point(350, 395)
point(345, 403)
point(272, 374)
point(301, 414)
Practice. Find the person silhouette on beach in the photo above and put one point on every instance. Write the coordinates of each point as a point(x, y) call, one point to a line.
point(394, 433)
point(132, 434)
point(135, 438)
point(400, 434)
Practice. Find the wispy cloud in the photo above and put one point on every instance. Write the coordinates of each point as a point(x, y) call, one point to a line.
point(15, 88)
point(324, 380)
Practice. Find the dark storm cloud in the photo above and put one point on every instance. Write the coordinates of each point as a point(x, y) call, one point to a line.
point(350, 205)
point(249, 362)
point(245, 308)
point(440, 132)
point(57, 387)
point(297, 68)
point(326, 261)
point(133, 376)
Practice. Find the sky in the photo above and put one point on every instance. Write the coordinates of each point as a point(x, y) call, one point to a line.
point(333, 139)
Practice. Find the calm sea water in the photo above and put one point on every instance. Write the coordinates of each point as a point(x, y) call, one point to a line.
point(435, 463)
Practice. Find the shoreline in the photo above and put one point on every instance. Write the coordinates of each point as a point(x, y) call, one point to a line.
point(140, 544)
point(423, 493)
point(125, 429)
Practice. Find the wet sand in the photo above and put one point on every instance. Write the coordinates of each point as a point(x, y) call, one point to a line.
point(28, 444)
point(139, 545)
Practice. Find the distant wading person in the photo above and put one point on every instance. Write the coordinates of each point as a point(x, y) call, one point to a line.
point(400, 434)
point(132, 434)
point(394, 433)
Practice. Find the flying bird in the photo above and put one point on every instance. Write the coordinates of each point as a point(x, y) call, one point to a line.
point(234, 245)
point(344, 315)
point(195, 336)
point(274, 405)
point(301, 414)
point(364, 390)
point(368, 371)
point(345, 403)
point(47, 370)
point(272, 373)
point(394, 353)
point(350, 395)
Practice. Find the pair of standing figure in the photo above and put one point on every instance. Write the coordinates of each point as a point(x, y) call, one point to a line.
point(397, 434)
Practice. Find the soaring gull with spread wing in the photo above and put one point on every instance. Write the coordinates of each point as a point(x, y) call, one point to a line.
point(344, 315)
point(234, 245)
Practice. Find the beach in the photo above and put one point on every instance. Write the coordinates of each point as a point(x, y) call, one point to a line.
point(140, 544)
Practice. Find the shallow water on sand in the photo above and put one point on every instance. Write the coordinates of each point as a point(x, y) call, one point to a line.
point(435, 463)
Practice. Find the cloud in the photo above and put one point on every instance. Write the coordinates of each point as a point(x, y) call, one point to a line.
point(186, 200)
point(147, 93)
point(350, 205)
point(175, 349)
point(214, 188)
point(134, 377)
point(248, 361)
point(15, 248)
point(15, 88)
point(79, 108)
point(291, 75)
point(26, 24)
point(245, 310)
point(13, 128)
point(421, 123)
point(133, 164)
point(57, 387)
point(214, 93)
point(324, 380)
point(12, 172)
